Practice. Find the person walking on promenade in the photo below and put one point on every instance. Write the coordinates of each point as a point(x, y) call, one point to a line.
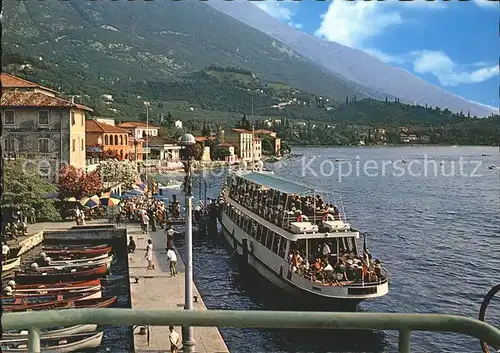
point(175, 340)
point(149, 255)
point(172, 257)
point(153, 222)
point(119, 219)
point(170, 237)
point(131, 245)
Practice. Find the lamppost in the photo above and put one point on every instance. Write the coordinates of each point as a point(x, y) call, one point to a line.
point(188, 142)
point(147, 140)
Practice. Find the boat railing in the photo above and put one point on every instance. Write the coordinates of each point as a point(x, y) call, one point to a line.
point(405, 323)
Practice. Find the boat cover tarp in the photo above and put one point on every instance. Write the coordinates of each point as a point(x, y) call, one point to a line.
point(277, 183)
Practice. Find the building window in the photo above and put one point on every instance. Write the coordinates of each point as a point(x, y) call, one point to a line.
point(9, 117)
point(83, 119)
point(81, 145)
point(43, 145)
point(121, 140)
point(73, 121)
point(73, 145)
point(43, 117)
point(10, 144)
point(106, 142)
point(116, 140)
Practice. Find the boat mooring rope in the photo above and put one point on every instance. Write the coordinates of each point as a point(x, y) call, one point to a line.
point(482, 313)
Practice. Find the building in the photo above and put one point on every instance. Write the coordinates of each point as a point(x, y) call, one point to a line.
point(178, 124)
point(108, 137)
point(425, 139)
point(164, 149)
point(273, 137)
point(403, 138)
point(42, 127)
point(231, 157)
point(105, 120)
point(243, 138)
point(139, 129)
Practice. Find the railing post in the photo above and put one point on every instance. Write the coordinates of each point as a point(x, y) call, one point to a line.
point(404, 341)
point(34, 340)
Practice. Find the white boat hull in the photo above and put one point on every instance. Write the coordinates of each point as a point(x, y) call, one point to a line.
point(276, 270)
point(65, 331)
point(11, 264)
point(78, 346)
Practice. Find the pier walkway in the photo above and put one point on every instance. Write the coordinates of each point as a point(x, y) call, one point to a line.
point(157, 290)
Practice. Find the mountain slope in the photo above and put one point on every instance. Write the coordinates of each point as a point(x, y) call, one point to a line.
point(157, 40)
point(351, 64)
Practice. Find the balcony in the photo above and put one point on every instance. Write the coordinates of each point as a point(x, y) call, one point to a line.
point(404, 323)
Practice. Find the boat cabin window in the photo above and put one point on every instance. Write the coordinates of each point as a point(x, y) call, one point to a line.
point(269, 240)
point(282, 251)
point(276, 243)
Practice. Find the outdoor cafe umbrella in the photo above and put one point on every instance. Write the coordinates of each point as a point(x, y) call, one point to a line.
point(91, 201)
point(126, 196)
point(109, 201)
point(71, 199)
point(160, 197)
point(135, 192)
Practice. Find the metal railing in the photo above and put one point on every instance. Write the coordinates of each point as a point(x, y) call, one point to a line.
point(404, 323)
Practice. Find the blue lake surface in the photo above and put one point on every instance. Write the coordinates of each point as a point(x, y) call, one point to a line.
point(437, 230)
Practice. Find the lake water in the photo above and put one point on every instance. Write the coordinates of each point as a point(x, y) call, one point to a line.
point(437, 232)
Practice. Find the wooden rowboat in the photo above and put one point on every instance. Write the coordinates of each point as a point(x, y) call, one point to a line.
point(11, 264)
point(64, 304)
point(73, 343)
point(58, 286)
point(79, 251)
point(69, 260)
point(48, 333)
point(80, 266)
point(54, 277)
point(72, 246)
point(41, 298)
point(55, 291)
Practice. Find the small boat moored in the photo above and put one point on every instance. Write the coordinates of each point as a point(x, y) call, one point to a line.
point(72, 343)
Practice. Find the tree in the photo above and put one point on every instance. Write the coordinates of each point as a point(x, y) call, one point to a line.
point(105, 154)
point(74, 182)
point(219, 153)
point(118, 172)
point(267, 146)
point(244, 123)
point(24, 187)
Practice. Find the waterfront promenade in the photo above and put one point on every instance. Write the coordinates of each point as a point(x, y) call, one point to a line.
point(155, 288)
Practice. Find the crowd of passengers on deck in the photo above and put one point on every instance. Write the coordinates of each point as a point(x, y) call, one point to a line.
point(346, 268)
point(274, 206)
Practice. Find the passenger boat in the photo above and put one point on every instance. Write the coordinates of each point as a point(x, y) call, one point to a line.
point(41, 298)
point(51, 332)
point(80, 251)
point(55, 291)
point(69, 266)
point(267, 219)
point(72, 343)
point(63, 304)
point(72, 246)
point(54, 287)
point(54, 276)
point(11, 264)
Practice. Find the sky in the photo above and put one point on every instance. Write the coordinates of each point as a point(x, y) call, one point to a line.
point(452, 44)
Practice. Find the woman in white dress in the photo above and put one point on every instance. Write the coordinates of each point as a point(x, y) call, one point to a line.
point(149, 255)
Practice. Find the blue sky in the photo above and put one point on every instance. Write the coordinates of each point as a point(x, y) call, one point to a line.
point(454, 45)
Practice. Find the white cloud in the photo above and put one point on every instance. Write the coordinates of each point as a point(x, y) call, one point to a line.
point(388, 58)
point(277, 10)
point(449, 73)
point(354, 23)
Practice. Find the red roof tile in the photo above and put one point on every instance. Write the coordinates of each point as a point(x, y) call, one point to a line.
point(11, 81)
point(203, 138)
point(134, 124)
point(36, 100)
point(264, 131)
point(242, 131)
point(97, 126)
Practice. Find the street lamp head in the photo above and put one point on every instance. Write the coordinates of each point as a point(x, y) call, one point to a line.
point(187, 140)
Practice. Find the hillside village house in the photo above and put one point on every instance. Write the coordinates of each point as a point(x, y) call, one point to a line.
point(108, 137)
point(243, 138)
point(41, 126)
point(164, 149)
point(273, 137)
point(139, 131)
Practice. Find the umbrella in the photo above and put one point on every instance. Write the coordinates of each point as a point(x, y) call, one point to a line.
point(160, 197)
point(51, 195)
point(126, 196)
point(71, 199)
point(91, 201)
point(142, 186)
point(94, 149)
point(135, 192)
point(109, 201)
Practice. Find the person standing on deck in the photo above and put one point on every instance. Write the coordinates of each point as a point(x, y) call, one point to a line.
point(172, 257)
point(175, 340)
point(149, 255)
point(5, 252)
